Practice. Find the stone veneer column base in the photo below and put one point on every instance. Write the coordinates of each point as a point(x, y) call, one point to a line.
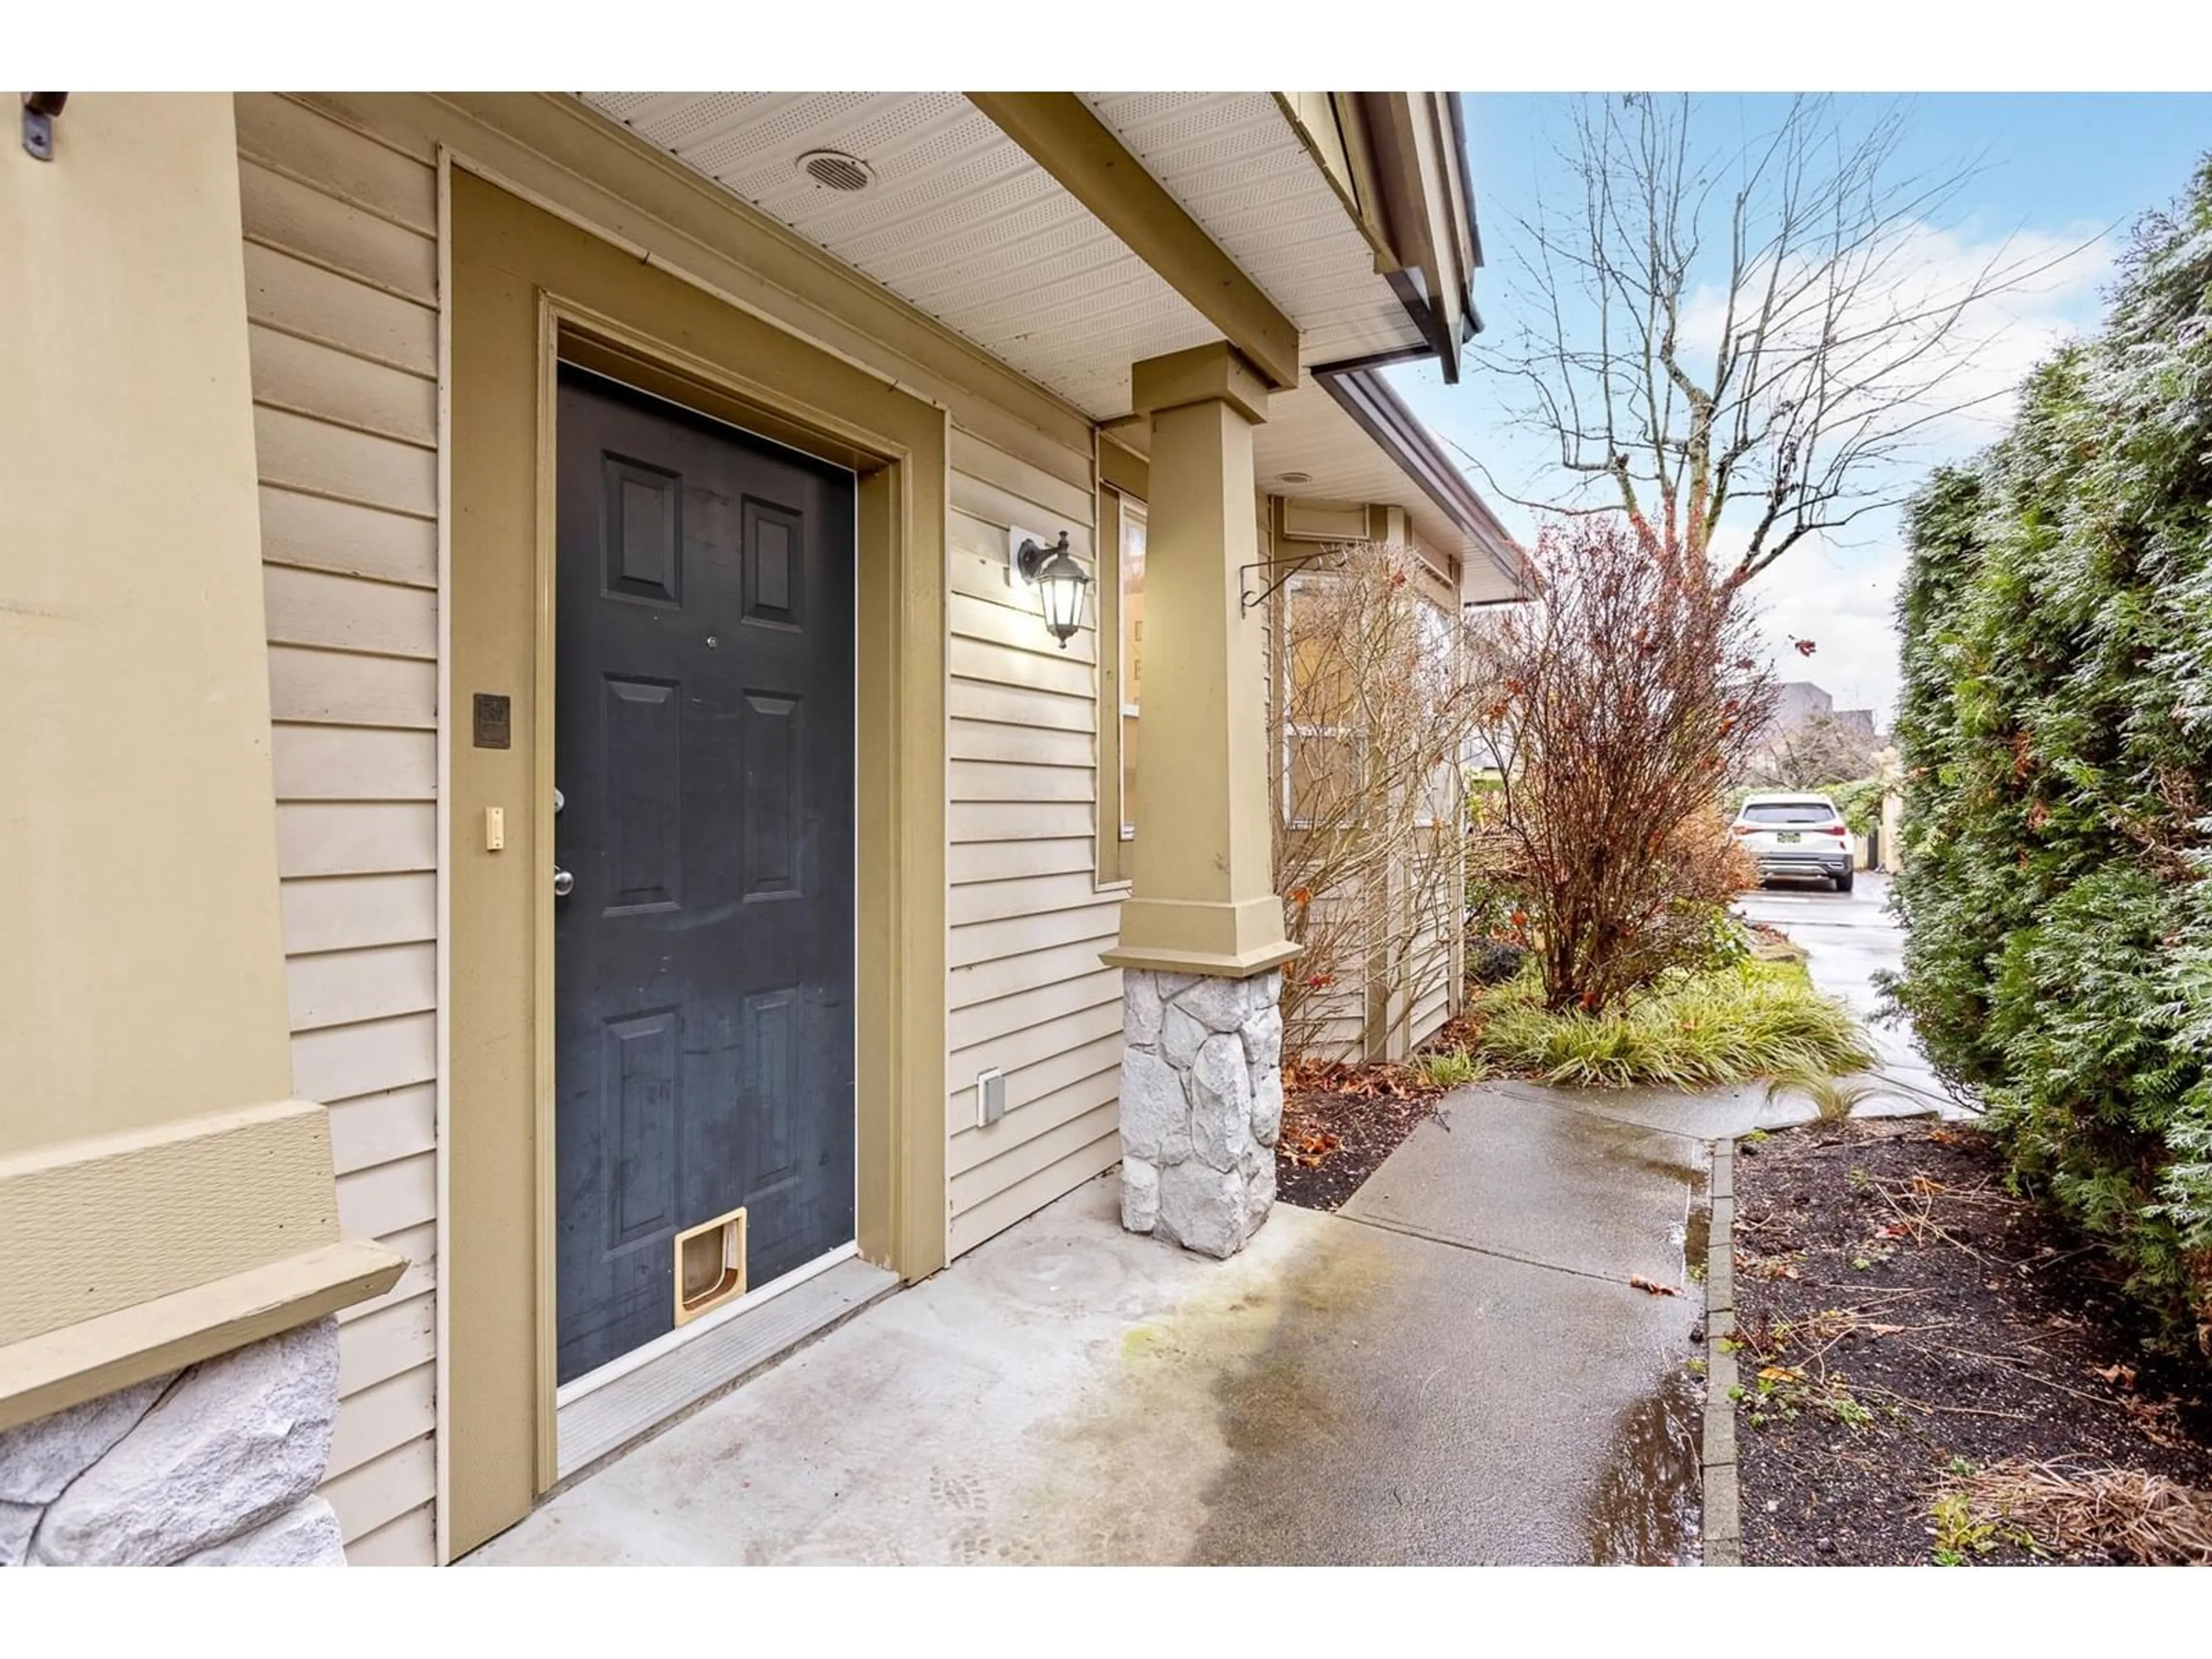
point(215, 1465)
point(1201, 1105)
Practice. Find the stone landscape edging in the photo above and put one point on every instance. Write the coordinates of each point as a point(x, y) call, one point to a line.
point(1724, 1511)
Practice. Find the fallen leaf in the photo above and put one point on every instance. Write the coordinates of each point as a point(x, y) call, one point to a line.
point(1780, 1374)
point(2122, 1375)
point(1638, 1282)
point(1942, 1137)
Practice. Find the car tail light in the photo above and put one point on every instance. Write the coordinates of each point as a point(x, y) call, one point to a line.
point(1739, 829)
point(1835, 830)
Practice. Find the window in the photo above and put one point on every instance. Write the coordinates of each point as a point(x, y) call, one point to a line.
point(1132, 653)
point(1321, 758)
point(1439, 669)
point(1811, 810)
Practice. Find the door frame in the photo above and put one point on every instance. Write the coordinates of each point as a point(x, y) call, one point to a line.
point(529, 290)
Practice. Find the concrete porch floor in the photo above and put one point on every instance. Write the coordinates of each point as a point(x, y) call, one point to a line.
point(1461, 1373)
point(1454, 1369)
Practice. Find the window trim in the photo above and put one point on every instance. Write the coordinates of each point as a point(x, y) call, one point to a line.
point(1123, 477)
point(1291, 587)
point(1126, 710)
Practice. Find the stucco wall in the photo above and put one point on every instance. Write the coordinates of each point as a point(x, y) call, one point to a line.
point(139, 973)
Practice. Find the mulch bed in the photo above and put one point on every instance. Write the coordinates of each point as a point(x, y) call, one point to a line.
point(1340, 1123)
point(1910, 1334)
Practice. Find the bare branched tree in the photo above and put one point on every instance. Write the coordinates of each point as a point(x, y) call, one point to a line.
point(1755, 324)
point(1820, 749)
point(1374, 709)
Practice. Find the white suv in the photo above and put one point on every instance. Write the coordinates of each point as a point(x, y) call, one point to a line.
point(1791, 833)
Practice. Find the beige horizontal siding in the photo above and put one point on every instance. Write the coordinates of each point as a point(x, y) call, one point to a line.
point(994, 1215)
point(1023, 706)
point(307, 532)
point(288, 137)
point(419, 1244)
point(1026, 993)
point(386, 1343)
point(341, 1061)
point(993, 977)
point(356, 838)
point(1430, 1014)
point(352, 912)
point(409, 1541)
point(350, 613)
point(373, 1493)
point(290, 295)
point(341, 987)
point(342, 267)
point(338, 688)
point(373, 1129)
point(389, 1197)
point(1004, 860)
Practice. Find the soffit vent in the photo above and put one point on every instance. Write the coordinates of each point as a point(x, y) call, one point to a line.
point(834, 170)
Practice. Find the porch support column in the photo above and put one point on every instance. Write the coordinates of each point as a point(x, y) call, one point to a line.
point(1202, 944)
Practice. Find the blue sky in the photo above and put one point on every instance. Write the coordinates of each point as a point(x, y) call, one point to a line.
point(2055, 171)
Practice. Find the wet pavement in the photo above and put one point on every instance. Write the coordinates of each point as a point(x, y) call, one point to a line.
point(1340, 1392)
point(1849, 937)
point(1454, 1369)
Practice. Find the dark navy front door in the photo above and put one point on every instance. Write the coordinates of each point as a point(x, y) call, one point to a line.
point(703, 719)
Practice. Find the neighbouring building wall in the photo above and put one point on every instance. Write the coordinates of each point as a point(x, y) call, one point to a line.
point(168, 1371)
point(135, 716)
point(342, 265)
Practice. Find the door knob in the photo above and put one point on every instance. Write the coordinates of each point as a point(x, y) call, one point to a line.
point(559, 801)
point(563, 882)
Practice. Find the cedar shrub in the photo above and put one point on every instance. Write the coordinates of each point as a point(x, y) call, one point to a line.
point(2055, 727)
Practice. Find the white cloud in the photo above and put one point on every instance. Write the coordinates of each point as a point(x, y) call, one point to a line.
point(1845, 602)
point(1903, 296)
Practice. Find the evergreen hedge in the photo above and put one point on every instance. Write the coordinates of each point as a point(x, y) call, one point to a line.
point(2056, 730)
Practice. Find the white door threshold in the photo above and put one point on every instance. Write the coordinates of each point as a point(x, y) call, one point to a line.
point(596, 1417)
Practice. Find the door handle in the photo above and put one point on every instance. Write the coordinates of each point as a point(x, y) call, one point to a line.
point(565, 883)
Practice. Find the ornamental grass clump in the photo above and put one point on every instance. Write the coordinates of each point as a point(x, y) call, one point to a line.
point(1687, 1029)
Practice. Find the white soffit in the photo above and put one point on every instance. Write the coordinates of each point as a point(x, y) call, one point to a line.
point(1233, 161)
point(1309, 432)
point(958, 221)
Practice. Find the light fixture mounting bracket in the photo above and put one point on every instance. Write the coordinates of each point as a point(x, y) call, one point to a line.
point(1322, 558)
point(1029, 557)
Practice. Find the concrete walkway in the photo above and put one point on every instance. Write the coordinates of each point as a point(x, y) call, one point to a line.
point(1457, 1368)
point(1456, 1371)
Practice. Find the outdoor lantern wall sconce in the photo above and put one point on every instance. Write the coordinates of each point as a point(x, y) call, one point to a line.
point(1060, 582)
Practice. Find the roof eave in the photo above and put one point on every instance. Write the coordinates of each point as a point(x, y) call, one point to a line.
point(1363, 394)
